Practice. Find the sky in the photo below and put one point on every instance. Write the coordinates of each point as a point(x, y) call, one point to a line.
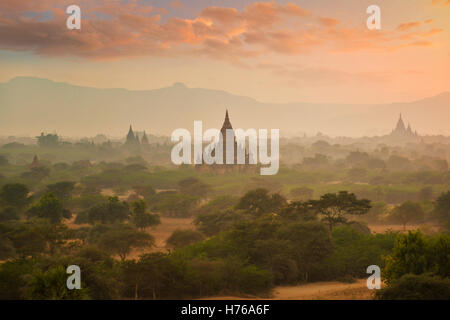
point(273, 51)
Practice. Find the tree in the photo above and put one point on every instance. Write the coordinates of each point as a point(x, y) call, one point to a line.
point(415, 254)
point(7, 249)
point(398, 163)
point(49, 207)
point(112, 211)
point(26, 239)
point(62, 190)
point(442, 209)
point(357, 158)
point(146, 277)
point(258, 202)
point(181, 238)
point(99, 273)
point(317, 161)
point(309, 244)
point(407, 212)
point(426, 193)
point(378, 209)
point(3, 160)
point(141, 218)
point(13, 278)
point(194, 187)
point(122, 238)
point(176, 204)
point(333, 207)
point(8, 213)
point(147, 191)
point(410, 255)
point(416, 287)
point(217, 221)
point(15, 195)
point(54, 234)
point(217, 204)
point(51, 285)
point(36, 173)
point(298, 210)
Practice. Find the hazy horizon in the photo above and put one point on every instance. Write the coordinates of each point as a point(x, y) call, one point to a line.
point(299, 66)
point(49, 106)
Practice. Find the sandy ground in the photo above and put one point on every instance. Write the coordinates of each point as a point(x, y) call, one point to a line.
point(381, 228)
point(315, 291)
point(161, 233)
point(325, 290)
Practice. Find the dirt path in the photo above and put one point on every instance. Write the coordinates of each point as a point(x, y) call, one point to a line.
point(161, 233)
point(316, 291)
point(325, 291)
point(382, 228)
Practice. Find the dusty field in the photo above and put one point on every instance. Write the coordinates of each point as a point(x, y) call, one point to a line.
point(315, 291)
point(381, 228)
point(168, 225)
point(312, 291)
point(161, 233)
point(325, 291)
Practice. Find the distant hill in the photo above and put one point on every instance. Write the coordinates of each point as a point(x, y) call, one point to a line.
point(30, 105)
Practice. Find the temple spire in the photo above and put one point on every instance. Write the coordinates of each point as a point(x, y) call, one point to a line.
point(400, 124)
point(131, 138)
point(144, 139)
point(226, 123)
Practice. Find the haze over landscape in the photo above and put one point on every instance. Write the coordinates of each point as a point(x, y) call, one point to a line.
point(91, 180)
point(31, 105)
point(271, 52)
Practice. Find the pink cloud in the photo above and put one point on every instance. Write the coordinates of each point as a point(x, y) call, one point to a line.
point(408, 25)
point(176, 4)
point(131, 29)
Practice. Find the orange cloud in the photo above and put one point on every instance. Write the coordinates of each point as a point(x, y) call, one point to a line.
point(439, 2)
point(176, 4)
point(329, 22)
point(130, 29)
point(408, 25)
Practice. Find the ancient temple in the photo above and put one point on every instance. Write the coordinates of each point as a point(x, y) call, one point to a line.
point(224, 167)
point(401, 131)
point(131, 138)
point(227, 126)
point(35, 163)
point(144, 139)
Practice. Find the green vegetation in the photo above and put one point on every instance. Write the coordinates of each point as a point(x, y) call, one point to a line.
point(181, 238)
point(96, 204)
point(417, 287)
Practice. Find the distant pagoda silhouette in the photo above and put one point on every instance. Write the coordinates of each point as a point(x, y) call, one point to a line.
point(401, 131)
point(35, 163)
point(144, 139)
point(132, 138)
point(224, 167)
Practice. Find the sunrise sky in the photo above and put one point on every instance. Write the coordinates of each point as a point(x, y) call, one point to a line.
point(275, 51)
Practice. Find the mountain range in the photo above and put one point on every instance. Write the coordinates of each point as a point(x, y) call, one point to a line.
point(30, 105)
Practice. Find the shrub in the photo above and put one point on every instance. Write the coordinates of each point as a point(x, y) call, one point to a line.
point(416, 287)
point(181, 238)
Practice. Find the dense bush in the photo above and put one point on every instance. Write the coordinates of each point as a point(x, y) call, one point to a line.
point(181, 238)
point(416, 287)
point(414, 253)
